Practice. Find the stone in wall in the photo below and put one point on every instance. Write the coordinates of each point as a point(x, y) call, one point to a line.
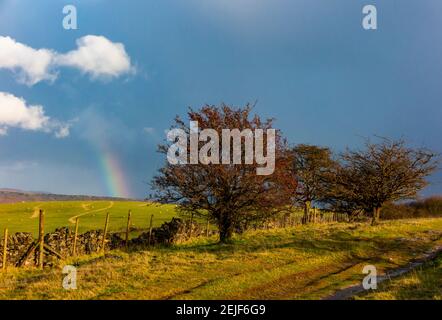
point(18, 244)
point(172, 232)
point(61, 241)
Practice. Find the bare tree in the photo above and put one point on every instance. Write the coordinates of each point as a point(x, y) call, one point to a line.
point(230, 194)
point(310, 163)
point(383, 172)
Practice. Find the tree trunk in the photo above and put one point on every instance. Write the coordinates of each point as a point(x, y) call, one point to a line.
point(225, 226)
point(376, 216)
point(306, 217)
point(225, 234)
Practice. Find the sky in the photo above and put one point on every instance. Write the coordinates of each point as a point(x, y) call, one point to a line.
point(82, 111)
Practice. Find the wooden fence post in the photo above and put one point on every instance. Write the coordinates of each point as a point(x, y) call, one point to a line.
point(5, 249)
point(106, 225)
point(191, 225)
point(74, 247)
point(150, 229)
point(129, 214)
point(207, 226)
point(41, 240)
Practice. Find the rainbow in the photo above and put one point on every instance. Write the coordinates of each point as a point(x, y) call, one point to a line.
point(115, 180)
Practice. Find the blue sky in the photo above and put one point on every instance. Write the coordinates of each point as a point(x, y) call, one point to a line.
point(308, 63)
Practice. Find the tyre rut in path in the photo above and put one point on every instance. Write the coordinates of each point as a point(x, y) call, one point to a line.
point(342, 294)
point(354, 290)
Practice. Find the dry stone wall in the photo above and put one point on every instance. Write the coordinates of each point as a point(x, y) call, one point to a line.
point(173, 232)
point(61, 241)
point(18, 244)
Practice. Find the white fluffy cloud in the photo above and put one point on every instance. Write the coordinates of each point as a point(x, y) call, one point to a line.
point(98, 57)
point(95, 55)
point(31, 65)
point(15, 113)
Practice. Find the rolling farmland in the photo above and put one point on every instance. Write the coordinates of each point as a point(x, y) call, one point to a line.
point(23, 217)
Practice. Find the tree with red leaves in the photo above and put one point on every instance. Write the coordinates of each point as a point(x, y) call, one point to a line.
point(231, 188)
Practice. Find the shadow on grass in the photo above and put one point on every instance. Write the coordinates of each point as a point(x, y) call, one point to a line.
point(360, 247)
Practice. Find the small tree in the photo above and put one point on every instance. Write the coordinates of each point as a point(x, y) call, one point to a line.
point(383, 172)
point(310, 164)
point(232, 195)
point(338, 196)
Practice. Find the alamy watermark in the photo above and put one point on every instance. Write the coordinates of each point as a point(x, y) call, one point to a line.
point(70, 20)
point(231, 153)
point(370, 282)
point(70, 280)
point(370, 19)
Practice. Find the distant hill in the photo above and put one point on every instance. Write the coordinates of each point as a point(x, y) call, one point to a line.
point(8, 195)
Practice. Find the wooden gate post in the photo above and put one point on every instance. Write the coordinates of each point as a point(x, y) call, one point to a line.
point(41, 240)
point(150, 230)
point(106, 225)
point(129, 214)
point(74, 247)
point(5, 249)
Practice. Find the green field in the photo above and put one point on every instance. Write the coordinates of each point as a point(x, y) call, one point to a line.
point(23, 217)
point(303, 262)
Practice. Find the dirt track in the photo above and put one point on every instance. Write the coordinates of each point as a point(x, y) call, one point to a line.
point(72, 219)
point(354, 290)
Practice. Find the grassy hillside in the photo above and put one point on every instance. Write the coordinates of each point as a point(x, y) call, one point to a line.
point(23, 217)
point(305, 262)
